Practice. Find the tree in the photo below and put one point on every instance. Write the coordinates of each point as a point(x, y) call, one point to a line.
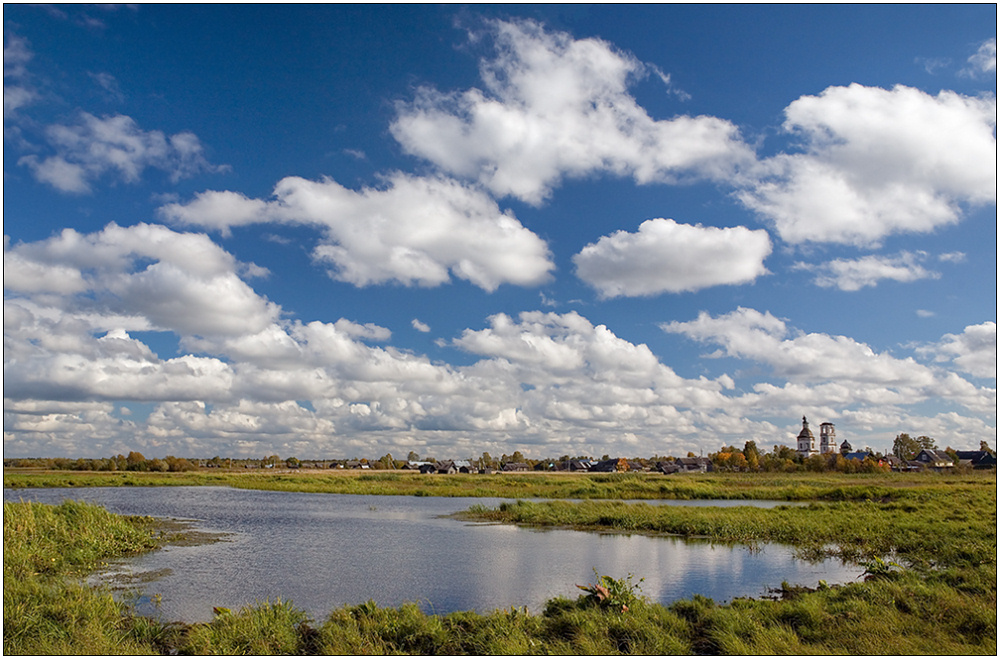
point(752, 455)
point(983, 446)
point(135, 461)
point(412, 456)
point(905, 447)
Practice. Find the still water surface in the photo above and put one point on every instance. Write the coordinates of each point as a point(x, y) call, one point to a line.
point(322, 551)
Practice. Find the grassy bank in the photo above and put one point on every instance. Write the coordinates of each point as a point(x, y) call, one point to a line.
point(540, 485)
point(939, 523)
point(941, 600)
point(46, 611)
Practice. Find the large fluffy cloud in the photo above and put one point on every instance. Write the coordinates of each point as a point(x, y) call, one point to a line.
point(974, 351)
point(837, 369)
point(556, 107)
point(179, 282)
point(75, 361)
point(94, 146)
point(666, 256)
point(877, 162)
point(414, 231)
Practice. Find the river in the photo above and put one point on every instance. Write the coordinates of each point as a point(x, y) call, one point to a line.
point(322, 551)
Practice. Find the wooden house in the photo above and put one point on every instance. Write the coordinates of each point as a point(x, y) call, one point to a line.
point(977, 459)
point(934, 459)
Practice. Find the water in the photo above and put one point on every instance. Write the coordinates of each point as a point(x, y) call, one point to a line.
point(322, 551)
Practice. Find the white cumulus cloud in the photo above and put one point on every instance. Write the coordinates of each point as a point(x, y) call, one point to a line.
point(414, 230)
point(667, 256)
point(876, 162)
point(974, 351)
point(556, 107)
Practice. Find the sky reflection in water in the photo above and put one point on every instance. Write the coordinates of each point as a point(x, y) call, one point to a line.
point(322, 551)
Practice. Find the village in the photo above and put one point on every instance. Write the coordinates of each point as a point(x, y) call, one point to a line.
point(908, 454)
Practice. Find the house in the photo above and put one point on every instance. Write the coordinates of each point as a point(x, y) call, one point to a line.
point(614, 465)
point(856, 455)
point(668, 467)
point(977, 459)
point(428, 468)
point(516, 466)
point(898, 464)
point(465, 467)
point(447, 467)
point(574, 465)
point(694, 465)
point(934, 459)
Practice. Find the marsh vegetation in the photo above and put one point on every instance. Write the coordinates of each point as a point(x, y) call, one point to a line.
point(928, 544)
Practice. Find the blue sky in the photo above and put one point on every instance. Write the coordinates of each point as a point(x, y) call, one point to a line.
point(342, 231)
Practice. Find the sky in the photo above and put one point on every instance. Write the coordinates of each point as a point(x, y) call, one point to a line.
point(341, 231)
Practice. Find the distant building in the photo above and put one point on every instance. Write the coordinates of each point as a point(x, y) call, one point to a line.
point(977, 459)
point(827, 438)
point(934, 459)
point(805, 443)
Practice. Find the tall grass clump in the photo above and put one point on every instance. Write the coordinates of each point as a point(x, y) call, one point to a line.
point(46, 610)
point(268, 628)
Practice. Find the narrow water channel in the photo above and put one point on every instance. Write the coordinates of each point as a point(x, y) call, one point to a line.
point(322, 551)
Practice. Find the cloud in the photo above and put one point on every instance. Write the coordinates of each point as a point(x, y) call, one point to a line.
point(974, 351)
point(805, 358)
point(413, 231)
point(555, 107)
point(178, 282)
point(92, 147)
point(666, 256)
point(420, 326)
point(983, 61)
point(876, 162)
point(570, 372)
point(109, 84)
point(855, 274)
point(16, 55)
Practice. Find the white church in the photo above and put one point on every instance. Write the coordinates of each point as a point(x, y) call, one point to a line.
point(806, 442)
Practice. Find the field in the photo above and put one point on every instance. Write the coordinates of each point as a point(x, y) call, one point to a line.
point(927, 544)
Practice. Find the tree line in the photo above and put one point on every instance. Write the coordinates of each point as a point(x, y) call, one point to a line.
point(729, 458)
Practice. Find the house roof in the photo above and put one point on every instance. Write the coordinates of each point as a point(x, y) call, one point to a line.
point(932, 455)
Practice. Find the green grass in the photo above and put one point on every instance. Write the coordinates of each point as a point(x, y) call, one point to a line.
point(941, 601)
point(539, 485)
point(48, 612)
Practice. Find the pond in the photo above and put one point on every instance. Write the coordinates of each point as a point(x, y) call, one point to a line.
point(322, 551)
